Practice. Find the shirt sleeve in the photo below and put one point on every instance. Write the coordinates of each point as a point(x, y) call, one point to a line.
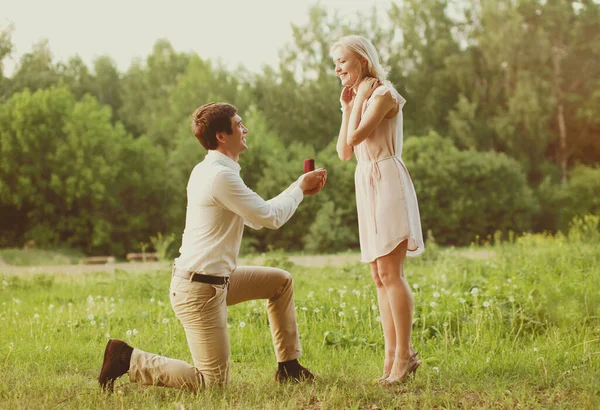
point(230, 191)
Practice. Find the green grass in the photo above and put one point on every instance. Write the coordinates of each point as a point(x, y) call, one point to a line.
point(520, 330)
point(37, 257)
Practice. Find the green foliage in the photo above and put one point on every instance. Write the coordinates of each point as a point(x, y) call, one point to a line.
point(578, 197)
point(585, 229)
point(165, 246)
point(39, 257)
point(465, 194)
point(70, 177)
point(98, 160)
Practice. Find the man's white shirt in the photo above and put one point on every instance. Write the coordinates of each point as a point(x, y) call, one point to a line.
point(218, 205)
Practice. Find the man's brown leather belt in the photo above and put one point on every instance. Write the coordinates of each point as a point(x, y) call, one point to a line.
point(213, 280)
point(199, 277)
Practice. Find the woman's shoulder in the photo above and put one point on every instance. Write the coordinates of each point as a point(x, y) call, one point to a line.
point(388, 88)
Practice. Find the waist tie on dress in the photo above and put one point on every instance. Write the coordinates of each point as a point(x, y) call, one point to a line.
point(374, 175)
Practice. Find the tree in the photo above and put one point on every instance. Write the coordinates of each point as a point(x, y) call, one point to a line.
point(145, 91)
point(70, 177)
point(107, 84)
point(6, 48)
point(35, 70)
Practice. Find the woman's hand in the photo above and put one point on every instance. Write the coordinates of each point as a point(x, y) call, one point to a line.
point(366, 87)
point(347, 99)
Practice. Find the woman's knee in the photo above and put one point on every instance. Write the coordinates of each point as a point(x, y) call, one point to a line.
point(389, 276)
point(377, 279)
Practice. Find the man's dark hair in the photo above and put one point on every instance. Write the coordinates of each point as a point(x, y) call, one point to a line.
point(210, 119)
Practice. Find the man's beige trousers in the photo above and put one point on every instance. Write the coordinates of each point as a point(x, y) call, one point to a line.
point(202, 309)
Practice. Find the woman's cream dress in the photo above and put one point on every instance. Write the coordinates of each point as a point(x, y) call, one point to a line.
point(388, 212)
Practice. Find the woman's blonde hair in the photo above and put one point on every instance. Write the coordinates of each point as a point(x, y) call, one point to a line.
point(365, 49)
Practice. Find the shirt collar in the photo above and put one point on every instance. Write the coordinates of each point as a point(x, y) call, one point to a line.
point(214, 155)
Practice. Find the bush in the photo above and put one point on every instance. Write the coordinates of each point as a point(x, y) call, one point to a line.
point(467, 194)
point(562, 203)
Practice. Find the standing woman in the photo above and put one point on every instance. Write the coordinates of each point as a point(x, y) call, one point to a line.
point(388, 213)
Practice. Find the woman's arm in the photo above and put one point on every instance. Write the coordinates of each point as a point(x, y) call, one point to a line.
point(343, 149)
point(361, 126)
point(347, 101)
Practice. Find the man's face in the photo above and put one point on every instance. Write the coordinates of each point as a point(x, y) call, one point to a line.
point(235, 142)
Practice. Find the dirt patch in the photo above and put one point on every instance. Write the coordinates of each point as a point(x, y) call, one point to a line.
point(303, 260)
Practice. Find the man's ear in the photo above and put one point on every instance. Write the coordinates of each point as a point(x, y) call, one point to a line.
point(220, 137)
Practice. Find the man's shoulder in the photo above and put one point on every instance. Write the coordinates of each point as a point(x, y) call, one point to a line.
point(205, 168)
point(206, 175)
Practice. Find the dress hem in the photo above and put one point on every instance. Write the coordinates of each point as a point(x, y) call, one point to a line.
point(411, 253)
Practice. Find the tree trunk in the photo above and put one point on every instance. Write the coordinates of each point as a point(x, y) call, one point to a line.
point(557, 52)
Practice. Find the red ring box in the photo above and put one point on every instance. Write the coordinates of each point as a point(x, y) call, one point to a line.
point(309, 165)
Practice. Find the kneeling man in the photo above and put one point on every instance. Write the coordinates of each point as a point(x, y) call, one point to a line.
point(206, 278)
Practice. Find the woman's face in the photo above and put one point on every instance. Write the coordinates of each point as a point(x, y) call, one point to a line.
point(348, 66)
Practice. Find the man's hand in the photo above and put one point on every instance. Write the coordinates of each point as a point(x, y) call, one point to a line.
point(313, 181)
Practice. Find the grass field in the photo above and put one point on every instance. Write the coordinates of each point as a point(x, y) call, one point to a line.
point(35, 257)
point(518, 330)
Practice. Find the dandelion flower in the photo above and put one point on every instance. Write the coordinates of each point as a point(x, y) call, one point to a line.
point(486, 304)
point(436, 294)
point(242, 324)
point(374, 307)
point(93, 323)
point(36, 316)
point(433, 304)
point(91, 317)
point(50, 307)
point(415, 286)
point(511, 298)
point(342, 305)
point(340, 314)
point(165, 320)
point(128, 333)
point(461, 300)
point(135, 332)
point(475, 291)
point(435, 369)
point(152, 300)
point(378, 319)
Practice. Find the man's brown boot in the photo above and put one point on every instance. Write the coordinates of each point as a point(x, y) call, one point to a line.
point(117, 357)
point(293, 371)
